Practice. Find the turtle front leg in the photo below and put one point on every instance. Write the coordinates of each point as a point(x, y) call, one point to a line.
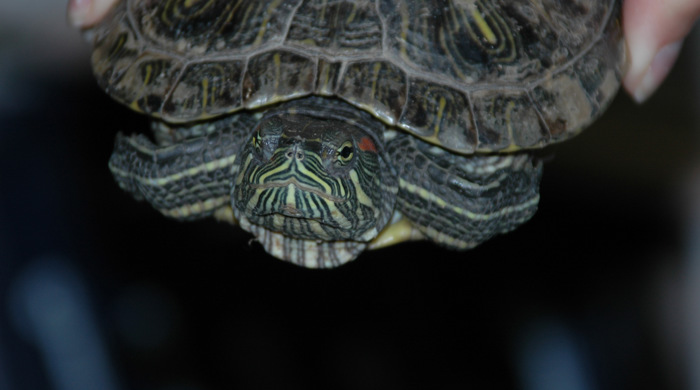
point(225, 214)
point(399, 230)
point(461, 201)
point(187, 180)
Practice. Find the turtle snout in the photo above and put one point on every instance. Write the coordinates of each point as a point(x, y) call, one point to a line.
point(295, 152)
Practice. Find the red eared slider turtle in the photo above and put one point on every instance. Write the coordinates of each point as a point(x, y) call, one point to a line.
point(328, 127)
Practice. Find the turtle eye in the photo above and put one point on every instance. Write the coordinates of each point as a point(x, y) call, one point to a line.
point(345, 152)
point(257, 141)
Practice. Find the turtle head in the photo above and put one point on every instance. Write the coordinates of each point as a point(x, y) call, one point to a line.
point(314, 179)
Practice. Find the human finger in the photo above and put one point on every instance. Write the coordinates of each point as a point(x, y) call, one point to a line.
point(85, 13)
point(654, 32)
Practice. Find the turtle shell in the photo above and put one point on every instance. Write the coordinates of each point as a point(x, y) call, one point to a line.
point(470, 76)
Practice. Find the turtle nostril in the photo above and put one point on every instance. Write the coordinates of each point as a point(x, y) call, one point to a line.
point(294, 153)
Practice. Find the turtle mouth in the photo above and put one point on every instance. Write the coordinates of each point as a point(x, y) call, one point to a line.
point(299, 186)
point(294, 213)
point(298, 215)
point(292, 209)
point(288, 211)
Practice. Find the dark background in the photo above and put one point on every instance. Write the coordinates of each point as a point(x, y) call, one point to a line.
point(598, 291)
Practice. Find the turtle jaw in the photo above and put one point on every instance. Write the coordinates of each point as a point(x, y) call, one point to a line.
point(304, 211)
point(291, 208)
point(295, 204)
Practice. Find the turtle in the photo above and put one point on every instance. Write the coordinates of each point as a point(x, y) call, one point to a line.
point(328, 127)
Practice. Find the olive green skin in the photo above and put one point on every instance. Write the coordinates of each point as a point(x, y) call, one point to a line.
point(453, 91)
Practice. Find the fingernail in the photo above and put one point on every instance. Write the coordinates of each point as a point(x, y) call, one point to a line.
point(79, 12)
point(657, 71)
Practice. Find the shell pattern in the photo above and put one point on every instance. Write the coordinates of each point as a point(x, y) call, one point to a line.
point(470, 76)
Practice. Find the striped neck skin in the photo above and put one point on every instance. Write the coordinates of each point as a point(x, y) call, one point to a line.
point(311, 178)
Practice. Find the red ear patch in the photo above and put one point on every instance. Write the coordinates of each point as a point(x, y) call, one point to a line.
point(367, 145)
